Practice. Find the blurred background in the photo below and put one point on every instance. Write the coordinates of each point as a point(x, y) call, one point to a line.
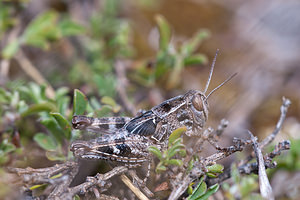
point(131, 55)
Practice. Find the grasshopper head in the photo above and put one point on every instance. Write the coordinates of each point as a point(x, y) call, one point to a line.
point(198, 101)
point(81, 122)
point(199, 106)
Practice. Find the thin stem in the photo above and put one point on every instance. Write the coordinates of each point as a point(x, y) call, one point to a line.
point(31, 71)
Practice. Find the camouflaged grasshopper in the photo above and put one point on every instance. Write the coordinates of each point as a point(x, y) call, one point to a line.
point(126, 140)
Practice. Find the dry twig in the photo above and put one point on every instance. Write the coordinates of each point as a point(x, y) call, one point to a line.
point(133, 188)
point(264, 184)
point(5, 63)
point(252, 168)
point(283, 110)
point(31, 71)
point(198, 169)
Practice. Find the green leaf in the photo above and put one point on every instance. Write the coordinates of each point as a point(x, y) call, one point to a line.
point(178, 141)
point(45, 141)
point(11, 49)
point(164, 62)
point(104, 111)
point(189, 47)
point(190, 165)
point(247, 185)
point(69, 28)
point(63, 123)
point(6, 147)
point(3, 158)
point(61, 92)
point(195, 60)
point(80, 102)
point(182, 152)
point(56, 176)
point(76, 197)
point(110, 101)
point(155, 151)
point(211, 175)
point(22, 106)
point(95, 103)
point(174, 149)
point(176, 134)
point(216, 168)
point(63, 105)
point(55, 156)
point(106, 84)
point(36, 186)
point(7, 19)
point(175, 162)
point(199, 190)
point(190, 188)
point(211, 190)
point(39, 43)
point(160, 168)
point(54, 128)
point(176, 73)
point(15, 98)
point(34, 93)
point(40, 107)
point(42, 30)
point(235, 174)
point(4, 96)
point(164, 32)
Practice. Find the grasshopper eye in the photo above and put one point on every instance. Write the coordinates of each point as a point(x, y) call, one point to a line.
point(197, 102)
point(80, 122)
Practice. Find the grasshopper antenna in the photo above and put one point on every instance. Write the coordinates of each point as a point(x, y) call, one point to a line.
point(228, 79)
point(211, 71)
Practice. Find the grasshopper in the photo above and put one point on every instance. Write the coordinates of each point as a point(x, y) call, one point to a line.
point(126, 140)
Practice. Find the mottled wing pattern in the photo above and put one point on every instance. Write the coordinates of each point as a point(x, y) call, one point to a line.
point(143, 125)
point(104, 125)
point(127, 150)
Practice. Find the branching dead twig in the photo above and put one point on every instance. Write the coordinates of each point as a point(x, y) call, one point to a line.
point(244, 166)
point(264, 184)
point(222, 126)
point(43, 175)
point(98, 181)
point(252, 168)
point(66, 173)
point(140, 182)
point(198, 171)
point(283, 110)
